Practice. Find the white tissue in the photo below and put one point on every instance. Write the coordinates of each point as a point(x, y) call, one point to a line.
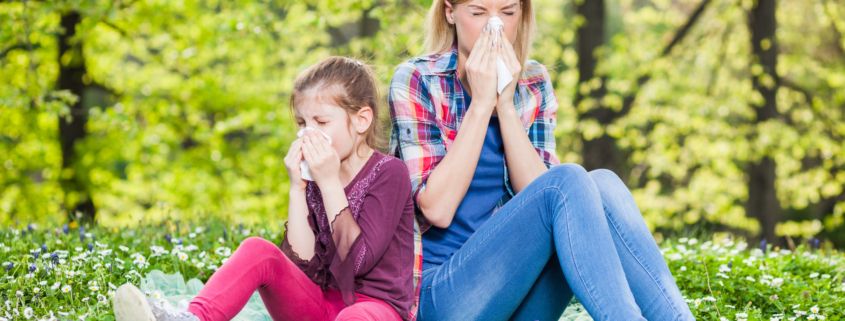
point(306, 174)
point(504, 75)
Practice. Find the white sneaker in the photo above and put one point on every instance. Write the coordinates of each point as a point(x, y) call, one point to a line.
point(130, 304)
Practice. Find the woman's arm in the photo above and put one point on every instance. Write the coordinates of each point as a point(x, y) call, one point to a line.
point(524, 162)
point(449, 181)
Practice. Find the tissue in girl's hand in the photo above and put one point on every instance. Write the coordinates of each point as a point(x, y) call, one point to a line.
point(306, 174)
point(503, 74)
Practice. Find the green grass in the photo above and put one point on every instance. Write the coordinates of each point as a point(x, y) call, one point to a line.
point(719, 279)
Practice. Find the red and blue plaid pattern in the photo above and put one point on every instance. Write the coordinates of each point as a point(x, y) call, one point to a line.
point(426, 110)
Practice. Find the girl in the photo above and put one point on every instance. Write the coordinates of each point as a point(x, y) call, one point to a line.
point(507, 232)
point(347, 251)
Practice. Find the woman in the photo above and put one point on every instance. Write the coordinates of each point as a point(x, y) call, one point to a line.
point(504, 231)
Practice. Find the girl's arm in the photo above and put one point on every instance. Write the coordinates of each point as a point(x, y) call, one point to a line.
point(299, 236)
point(298, 233)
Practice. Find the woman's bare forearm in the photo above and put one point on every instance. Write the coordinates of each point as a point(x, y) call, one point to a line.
point(524, 163)
point(449, 181)
point(299, 233)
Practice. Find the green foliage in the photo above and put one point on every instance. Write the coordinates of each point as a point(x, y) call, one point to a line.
point(189, 107)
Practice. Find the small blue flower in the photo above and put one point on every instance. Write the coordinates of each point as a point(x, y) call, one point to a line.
point(30, 227)
point(35, 254)
point(730, 265)
point(817, 243)
point(180, 241)
point(10, 266)
point(763, 245)
point(44, 248)
point(65, 229)
point(33, 267)
point(23, 233)
point(168, 238)
point(729, 237)
point(55, 257)
point(224, 233)
point(90, 246)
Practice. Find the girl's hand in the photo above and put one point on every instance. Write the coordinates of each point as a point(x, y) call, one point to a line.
point(481, 67)
point(322, 159)
point(509, 58)
point(292, 160)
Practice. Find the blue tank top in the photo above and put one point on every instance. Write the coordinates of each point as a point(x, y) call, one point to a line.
point(485, 190)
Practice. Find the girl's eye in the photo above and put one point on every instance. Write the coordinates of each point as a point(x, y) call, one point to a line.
point(477, 14)
point(508, 13)
point(322, 122)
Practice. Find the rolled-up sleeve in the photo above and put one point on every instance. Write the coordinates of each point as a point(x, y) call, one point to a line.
point(415, 137)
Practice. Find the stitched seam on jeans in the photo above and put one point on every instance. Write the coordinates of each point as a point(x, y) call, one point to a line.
point(569, 236)
point(497, 227)
point(662, 290)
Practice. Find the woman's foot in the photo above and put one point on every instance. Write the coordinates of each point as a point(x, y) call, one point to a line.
point(130, 304)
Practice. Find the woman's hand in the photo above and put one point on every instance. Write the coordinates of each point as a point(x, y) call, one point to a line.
point(505, 101)
point(322, 159)
point(292, 160)
point(481, 68)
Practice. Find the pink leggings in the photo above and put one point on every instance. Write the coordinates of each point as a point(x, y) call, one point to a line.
point(286, 291)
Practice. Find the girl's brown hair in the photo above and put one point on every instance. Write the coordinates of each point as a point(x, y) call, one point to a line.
point(347, 83)
point(440, 35)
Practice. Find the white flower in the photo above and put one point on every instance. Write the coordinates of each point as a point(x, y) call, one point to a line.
point(29, 275)
point(683, 268)
point(55, 285)
point(224, 251)
point(813, 275)
point(183, 256)
point(814, 309)
point(27, 313)
point(223, 261)
point(19, 293)
point(697, 302)
point(221, 240)
point(825, 276)
point(192, 235)
point(78, 249)
point(692, 241)
point(200, 265)
point(198, 230)
point(123, 248)
point(85, 299)
point(94, 288)
point(710, 298)
point(36, 290)
point(742, 315)
point(66, 288)
point(42, 283)
point(110, 294)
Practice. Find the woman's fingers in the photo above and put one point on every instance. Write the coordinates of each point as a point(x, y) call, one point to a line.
point(485, 48)
point(509, 55)
point(474, 52)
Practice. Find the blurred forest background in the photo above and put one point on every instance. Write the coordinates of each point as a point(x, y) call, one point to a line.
point(721, 115)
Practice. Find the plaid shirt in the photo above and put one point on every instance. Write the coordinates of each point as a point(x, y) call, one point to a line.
point(426, 109)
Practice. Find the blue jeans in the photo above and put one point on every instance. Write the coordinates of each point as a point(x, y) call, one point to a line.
point(567, 233)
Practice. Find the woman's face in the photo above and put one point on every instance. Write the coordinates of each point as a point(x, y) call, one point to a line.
point(471, 17)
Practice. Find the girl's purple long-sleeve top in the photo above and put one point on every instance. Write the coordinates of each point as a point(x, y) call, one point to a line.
point(371, 250)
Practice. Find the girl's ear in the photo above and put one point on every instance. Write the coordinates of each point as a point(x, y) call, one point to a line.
point(363, 119)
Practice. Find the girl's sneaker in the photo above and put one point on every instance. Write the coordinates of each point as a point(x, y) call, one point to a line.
point(130, 304)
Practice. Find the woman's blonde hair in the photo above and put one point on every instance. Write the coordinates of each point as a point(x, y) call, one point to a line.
point(440, 35)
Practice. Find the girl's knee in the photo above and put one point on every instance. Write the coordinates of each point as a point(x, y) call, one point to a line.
point(256, 244)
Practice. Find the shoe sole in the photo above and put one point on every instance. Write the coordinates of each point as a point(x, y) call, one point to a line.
point(130, 304)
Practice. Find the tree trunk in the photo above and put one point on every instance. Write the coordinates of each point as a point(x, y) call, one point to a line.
point(762, 197)
point(600, 152)
point(72, 128)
